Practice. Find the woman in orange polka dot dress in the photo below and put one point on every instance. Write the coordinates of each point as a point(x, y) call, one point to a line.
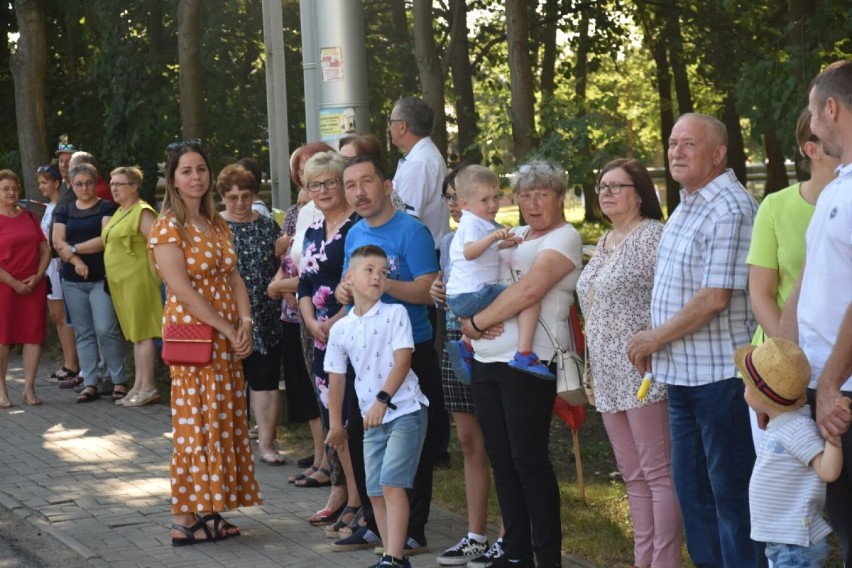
point(212, 468)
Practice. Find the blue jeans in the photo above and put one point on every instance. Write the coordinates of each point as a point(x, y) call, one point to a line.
point(712, 459)
point(95, 325)
point(794, 556)
point(392, 451)
point(471, 303)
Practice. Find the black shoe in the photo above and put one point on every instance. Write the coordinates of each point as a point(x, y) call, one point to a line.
point(488, 559)
point(306, 461)
point(413, 547)
point(360, 539)
point(503, 562)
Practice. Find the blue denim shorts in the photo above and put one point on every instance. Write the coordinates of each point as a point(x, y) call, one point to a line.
point(471, 303)
point(392, 451)
point(795, 556)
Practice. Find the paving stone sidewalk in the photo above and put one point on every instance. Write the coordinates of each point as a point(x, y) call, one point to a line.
point(95, 476)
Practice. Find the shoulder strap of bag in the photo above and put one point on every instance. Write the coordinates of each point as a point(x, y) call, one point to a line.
point(556, 347)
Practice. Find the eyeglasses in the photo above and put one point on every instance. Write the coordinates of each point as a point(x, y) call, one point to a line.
point(65, 147)
point(450, 198)
point(81, 184)
point(613, 188)
point(536, 194)
point(193, 143)
point(329, 184)
point(392, 120)
point(120, 183)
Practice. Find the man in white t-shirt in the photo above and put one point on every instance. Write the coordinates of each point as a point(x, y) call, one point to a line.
point(421, 172)
point(820, 310)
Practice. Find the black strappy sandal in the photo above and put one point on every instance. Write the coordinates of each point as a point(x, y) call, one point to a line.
point(190, 534)
point(221, 528)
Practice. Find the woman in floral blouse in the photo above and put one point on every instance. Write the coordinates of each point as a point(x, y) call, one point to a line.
point(615, 295)
point(320, 272)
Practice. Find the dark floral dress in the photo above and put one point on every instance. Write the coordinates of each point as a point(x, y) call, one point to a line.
point(321, 270)
point(254, 242)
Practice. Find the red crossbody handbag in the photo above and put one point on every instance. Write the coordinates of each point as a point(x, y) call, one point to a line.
point(188, 344)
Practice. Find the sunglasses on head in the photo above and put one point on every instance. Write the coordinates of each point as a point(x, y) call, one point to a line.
point(193, 143)
point(53, 172)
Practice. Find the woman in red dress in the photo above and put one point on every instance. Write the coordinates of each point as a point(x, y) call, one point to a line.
point(24, 256)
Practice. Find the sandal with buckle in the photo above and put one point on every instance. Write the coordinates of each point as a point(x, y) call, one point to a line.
point(190, 534)
point(90, 394)
point(311, 481)
point(220, 525)
point(63, 374)
point(119, 394)
point(326, 516)
point(333, 531)
point(302, 476)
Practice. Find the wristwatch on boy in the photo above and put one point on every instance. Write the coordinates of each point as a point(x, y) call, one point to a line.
point(385, 398)
point(73, 249)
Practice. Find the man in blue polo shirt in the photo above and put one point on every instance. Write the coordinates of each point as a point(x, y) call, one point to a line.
point(412, 267)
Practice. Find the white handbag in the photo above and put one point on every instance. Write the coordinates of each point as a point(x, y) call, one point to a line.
point(569, 372)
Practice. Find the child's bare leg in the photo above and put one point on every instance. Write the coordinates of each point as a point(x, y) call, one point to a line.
point(527, 322)
point(381, 515)
point(396, 520)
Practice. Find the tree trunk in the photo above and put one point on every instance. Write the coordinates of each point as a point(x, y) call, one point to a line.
point(654, 40)
point(429, 67)
point(736, 147)
point(29, 69)
point(776, 170)
point(581, 81)
point(156, 32)
point(797, 13)
point(681, 80)
point(548, 58)
point(521, 77)
point(402, 41)
point(70, 52)
point(189, 59)
point(462, 71)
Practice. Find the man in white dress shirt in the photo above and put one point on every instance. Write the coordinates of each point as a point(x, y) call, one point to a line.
point(421, 172)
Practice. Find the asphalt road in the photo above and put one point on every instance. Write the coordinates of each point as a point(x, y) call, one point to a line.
point(23, 545)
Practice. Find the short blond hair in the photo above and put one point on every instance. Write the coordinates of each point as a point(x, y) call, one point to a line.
point(472, 176)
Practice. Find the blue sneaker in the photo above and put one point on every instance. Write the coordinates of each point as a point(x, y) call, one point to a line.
point(461, 359)
point(387, 561)
point(531, 365)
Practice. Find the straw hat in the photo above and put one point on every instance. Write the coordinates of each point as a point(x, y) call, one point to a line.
point(777, 370)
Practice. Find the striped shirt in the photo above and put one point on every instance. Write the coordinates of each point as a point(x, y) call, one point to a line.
point(704, 245)
point(786, 496)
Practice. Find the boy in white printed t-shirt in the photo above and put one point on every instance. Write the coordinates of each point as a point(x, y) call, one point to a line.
point(787, 489)
point(377, 339)
point(475, 271)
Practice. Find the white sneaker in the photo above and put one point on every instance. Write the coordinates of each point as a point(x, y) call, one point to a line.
point(487, 559)
point(467, 549)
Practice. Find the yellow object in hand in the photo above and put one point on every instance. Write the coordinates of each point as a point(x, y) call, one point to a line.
point(645, 386)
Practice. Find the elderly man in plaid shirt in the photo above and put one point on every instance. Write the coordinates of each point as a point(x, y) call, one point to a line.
point(700, 314)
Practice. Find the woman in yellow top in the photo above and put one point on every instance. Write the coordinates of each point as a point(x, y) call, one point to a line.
point(132, 280)
point(777, 249)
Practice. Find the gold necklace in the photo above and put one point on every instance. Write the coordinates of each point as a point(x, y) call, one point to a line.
point(623, 234)
point(336, 223)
